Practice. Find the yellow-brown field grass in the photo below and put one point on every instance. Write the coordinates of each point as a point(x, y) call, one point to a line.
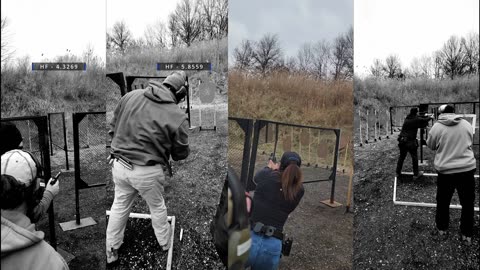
point(296, 99)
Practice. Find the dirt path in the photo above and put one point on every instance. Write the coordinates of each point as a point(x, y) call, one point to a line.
point(389, 236)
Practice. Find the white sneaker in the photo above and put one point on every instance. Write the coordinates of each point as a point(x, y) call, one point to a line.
point(112, 255)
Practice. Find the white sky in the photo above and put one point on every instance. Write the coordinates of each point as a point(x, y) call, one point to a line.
point(138, 14)
point(295, 22)
point(53, 26)
point(408, 28)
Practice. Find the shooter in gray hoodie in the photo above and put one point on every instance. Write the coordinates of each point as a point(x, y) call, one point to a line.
point(452, 138)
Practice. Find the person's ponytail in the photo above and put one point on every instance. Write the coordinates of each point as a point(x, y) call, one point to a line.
point(292, 178)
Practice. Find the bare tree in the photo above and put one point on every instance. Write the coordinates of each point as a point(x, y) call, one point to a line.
point(426, 66)
point(322, 55)
point(267, 52)
point(415, 68)
point(7, 52)
point(189, 24)
point(243, 55)
point(470, 46)
point(208, 14)
point(121, 36)
point(349, 53)
point(453, 57)
point(339, 57)
point(173, 30)
point(377, 68)
point(156, 35)
point(393, 67)
point(305, 58)
point(437, 65)
point(291, 63)
point(221, 18)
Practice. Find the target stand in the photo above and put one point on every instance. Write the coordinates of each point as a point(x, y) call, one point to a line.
point(170, 219)
point(207, 95)
point(421, 204)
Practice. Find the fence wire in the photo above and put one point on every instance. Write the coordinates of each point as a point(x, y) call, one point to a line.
point(92, 146)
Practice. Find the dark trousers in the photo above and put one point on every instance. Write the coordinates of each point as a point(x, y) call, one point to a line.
point(464, 183)
point(405, 148)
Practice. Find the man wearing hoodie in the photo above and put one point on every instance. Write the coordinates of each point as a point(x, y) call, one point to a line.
point(22, 246)
point(147, 129)
point(452, 137)
point(407, 141)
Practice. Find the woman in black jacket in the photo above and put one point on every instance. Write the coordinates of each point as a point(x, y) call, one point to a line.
point(278, 191)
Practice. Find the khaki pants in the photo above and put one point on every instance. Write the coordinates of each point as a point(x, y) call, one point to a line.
point(148, 182)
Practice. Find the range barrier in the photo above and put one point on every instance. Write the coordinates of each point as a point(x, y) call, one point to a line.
point(34, 130)
point(254, 141)
point(90, 152)
point(58, 134)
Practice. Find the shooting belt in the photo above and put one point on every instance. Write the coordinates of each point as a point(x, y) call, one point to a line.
point(269, 231)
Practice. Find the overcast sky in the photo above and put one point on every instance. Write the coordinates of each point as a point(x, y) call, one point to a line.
point(295, 22)
point(408, 28)
point(53, 26)
point(138, 14)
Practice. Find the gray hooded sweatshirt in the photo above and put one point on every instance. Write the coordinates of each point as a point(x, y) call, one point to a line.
point(452, 138)
point(148, 127)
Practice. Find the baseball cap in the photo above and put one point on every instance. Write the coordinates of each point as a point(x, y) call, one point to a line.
point(446, 108)
point(288, 157)
point(176, 79)
point(19, 164)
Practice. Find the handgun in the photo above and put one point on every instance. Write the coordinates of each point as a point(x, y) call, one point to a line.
point(273, 157)
point(55, 178)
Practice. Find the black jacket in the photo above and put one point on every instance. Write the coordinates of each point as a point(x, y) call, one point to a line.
point(411, 124)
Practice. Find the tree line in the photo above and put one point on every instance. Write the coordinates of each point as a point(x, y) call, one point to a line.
point(459, 56)
point(191, 21)
point(322, 59)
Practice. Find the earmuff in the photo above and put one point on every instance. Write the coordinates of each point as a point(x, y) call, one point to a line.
point(239, 241)
point(181, 93)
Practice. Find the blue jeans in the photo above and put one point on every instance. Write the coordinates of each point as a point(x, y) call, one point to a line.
point(264, 253)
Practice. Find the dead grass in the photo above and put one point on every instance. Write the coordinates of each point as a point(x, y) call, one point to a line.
point(295, 99)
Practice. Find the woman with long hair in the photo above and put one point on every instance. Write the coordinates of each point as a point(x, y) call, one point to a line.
point(278, 191)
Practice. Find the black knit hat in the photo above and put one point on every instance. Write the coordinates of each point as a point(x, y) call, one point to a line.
point(10, 137)
point(413, 111)
point(289, 157)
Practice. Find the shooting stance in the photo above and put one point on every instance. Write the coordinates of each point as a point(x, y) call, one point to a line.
point(452, 137)
point(23, 246)
point(147, 129)
point(278, 191)
point(407, 141)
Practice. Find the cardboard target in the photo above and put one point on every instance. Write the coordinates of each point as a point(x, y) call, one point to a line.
point(206, 91)
point(287, 144)
point(322, 150)
point(305, 137)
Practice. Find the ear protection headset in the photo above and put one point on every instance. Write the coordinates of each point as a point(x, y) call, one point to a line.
point(182, 92)
point(239, 241)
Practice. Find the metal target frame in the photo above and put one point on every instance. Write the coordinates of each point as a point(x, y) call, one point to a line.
point(422, 204)
point(250, 152)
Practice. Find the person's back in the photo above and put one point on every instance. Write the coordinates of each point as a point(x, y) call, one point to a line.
point(452, 138)
point(150, 116)
point(270, 206)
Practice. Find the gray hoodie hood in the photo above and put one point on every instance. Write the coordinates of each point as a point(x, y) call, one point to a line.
point(17, 232)
point(159, 93)
point(449, 119)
